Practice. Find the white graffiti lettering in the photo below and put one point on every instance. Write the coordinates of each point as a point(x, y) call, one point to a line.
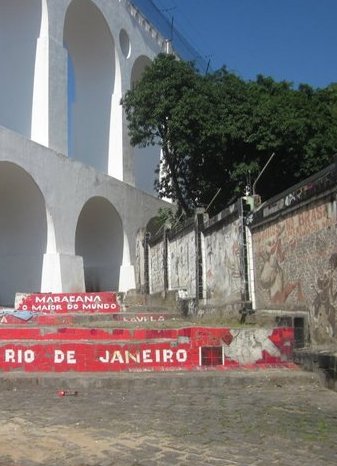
point(19, 356)
point(68, 299)
point(64, 356)
point(46, 307)
point(145, 356)
point(99, 306)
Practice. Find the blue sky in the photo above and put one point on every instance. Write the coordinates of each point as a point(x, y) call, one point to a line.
point(294, 40)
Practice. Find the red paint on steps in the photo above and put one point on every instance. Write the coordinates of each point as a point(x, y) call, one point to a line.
point(187, 349)
point(68, 302)
point(70, 319)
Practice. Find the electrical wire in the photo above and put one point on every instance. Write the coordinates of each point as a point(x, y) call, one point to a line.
point(180, 41)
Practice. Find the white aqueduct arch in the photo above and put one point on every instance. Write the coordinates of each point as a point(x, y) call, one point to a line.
point(91, 46)
point(23, 232)
point(146, 160)
point(103, 39)
point(100, 241)
point(19, 29)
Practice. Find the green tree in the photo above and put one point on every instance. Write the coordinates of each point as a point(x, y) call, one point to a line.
point(218, 131)
point(154, 111)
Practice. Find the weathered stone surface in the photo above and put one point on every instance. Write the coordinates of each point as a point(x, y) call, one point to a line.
point(242, 418)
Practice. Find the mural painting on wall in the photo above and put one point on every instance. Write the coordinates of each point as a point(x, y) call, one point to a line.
point(140, 260)
point(222, 252)
point(272, 275)
point(323, 311)
point(296, 266)
point(182, 263)
point(156, 255)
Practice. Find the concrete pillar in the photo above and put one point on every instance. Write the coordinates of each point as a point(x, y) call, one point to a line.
point(62, 273)
point(127, 279)
point(198, 226)
point(115, 167)
point(49, 112)
point(128, 154)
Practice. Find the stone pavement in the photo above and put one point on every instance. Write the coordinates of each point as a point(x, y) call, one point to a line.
point(270, 417)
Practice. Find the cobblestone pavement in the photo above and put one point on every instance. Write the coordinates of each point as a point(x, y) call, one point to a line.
point(230, 418)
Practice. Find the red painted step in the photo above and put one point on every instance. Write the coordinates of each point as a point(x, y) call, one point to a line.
point(100, 350)
point(68, 302)
point(13, 317)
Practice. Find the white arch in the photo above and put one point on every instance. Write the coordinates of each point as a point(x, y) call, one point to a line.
point(19, 29)
point(138, 68)
point(99, 239)
point(23, 232)
point(146, 160)
point(89, 42)
point(51, 236)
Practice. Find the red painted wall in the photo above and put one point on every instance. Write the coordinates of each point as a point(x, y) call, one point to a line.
point(77, 349)
point(67, 302)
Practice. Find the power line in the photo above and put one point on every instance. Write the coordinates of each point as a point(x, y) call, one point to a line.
point(157, 13)
point(186, 27)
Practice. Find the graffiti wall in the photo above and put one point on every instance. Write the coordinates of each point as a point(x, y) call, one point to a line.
point(182, 263)
point(295, 262)
point(100, 350)
point(140, 261)
point(289, 263)
point(201, 259)
point(222, 262)
point(156, 267)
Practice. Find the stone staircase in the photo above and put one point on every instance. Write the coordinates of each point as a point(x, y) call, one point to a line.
point(104, 332)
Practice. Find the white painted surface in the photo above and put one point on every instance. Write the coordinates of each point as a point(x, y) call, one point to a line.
point(42, 205)
point(182, 263)
point(62, 272)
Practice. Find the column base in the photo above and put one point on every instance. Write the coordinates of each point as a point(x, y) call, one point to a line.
point(62, 273)
point(127, 278)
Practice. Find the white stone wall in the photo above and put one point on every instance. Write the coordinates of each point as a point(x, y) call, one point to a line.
point(156, 267)
point(222, 263)
point(211, 269)
point(108, 44)
point(65, 64)
point(182, 264)
point(64, 188)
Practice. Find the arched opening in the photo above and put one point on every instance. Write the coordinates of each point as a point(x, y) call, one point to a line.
point(146, 160)
point(99, 240)
point(23, 233)
point(91, 81)
point(138, 69)
point(19, 29)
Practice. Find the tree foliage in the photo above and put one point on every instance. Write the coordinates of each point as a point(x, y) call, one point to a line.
point(218, 131)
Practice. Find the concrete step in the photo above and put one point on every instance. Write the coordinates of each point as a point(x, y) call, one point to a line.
point(80, 309)
point(14, 317)
point(100, 302)
point(49, 333)
point(210, 380)
point(100, 350)
point(106, 301)
point(322, 360)
point(92, 332)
